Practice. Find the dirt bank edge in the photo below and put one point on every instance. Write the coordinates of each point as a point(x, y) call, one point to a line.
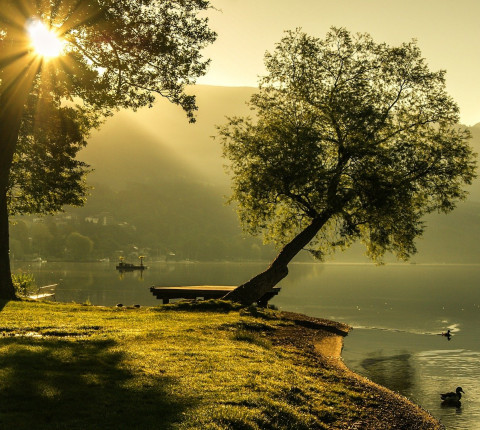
point(322, 341)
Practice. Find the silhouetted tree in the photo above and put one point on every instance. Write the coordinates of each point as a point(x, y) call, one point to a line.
point(352, 141)
point(118, 54)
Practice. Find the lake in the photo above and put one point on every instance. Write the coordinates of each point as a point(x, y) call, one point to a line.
point(398, 312)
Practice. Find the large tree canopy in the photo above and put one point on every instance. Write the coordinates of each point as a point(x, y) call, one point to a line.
point(352, 141)
point(118, 53)
point(115, 54)
point(45, 173)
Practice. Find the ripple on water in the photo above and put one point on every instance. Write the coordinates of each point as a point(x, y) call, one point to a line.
point(442, 370)
point(420, 367)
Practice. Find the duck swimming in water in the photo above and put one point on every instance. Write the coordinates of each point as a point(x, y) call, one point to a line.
point(452, 398)
point(447, 334)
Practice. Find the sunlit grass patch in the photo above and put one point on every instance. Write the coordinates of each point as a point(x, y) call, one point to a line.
point(178, 367)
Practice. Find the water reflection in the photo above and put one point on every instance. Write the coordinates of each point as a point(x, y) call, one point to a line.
point(420, 367)
point(393, 371)
point(102, 284)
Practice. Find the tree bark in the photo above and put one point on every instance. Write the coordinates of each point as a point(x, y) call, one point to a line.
point(253, 290)
point(7, 291)
point(17, 79)
point(10, 120)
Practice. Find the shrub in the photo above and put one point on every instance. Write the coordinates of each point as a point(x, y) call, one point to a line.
point(24, 284)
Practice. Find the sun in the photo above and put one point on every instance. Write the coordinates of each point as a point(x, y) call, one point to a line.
point(44, 41)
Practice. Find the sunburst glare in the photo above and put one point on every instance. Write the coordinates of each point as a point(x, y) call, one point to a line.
point(44, 41)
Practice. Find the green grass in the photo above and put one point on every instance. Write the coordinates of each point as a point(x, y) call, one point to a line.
point(210, 366)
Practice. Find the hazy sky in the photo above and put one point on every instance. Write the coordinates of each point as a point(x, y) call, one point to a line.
point(447, 31)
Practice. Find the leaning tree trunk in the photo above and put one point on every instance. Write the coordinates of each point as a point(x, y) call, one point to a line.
point(17, 79)
point(254, 289)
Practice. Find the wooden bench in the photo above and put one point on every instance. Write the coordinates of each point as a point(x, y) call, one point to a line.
point(203, 291)
point(45, 292)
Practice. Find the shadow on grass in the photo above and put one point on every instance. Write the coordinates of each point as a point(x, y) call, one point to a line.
point(59, 384)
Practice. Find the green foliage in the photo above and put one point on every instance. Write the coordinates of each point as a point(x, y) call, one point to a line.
point(24, 284)
point(79, 246)
point(264, 313)
point(146, 217)
point(118, 54)
point(212, 305)
point(358, 135)
point(45, 174)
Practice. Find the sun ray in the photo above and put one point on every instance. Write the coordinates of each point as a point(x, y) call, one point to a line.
point(44, 41)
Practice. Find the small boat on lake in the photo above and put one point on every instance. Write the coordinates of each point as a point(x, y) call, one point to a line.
point(125, 267)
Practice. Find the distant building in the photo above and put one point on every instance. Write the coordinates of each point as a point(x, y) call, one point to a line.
point(104, 218)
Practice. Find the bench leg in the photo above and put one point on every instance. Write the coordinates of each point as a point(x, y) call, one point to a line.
point(166, 301)
point(263, 301)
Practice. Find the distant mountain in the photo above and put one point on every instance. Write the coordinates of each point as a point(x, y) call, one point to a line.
point(164, 177)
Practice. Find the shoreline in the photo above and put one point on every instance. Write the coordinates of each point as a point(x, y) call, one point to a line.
point(323, 340)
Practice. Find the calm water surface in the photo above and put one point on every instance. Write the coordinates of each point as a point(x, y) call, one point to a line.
point(397, 312)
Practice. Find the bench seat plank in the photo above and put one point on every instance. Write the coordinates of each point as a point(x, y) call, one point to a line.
point(204, 291)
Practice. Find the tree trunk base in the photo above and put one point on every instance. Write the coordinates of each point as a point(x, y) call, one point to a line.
point(252, 291)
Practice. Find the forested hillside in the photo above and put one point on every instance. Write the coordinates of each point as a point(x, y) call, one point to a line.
point(159, 187)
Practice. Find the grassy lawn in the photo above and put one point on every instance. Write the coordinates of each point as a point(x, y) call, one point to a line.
point(69, 366)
